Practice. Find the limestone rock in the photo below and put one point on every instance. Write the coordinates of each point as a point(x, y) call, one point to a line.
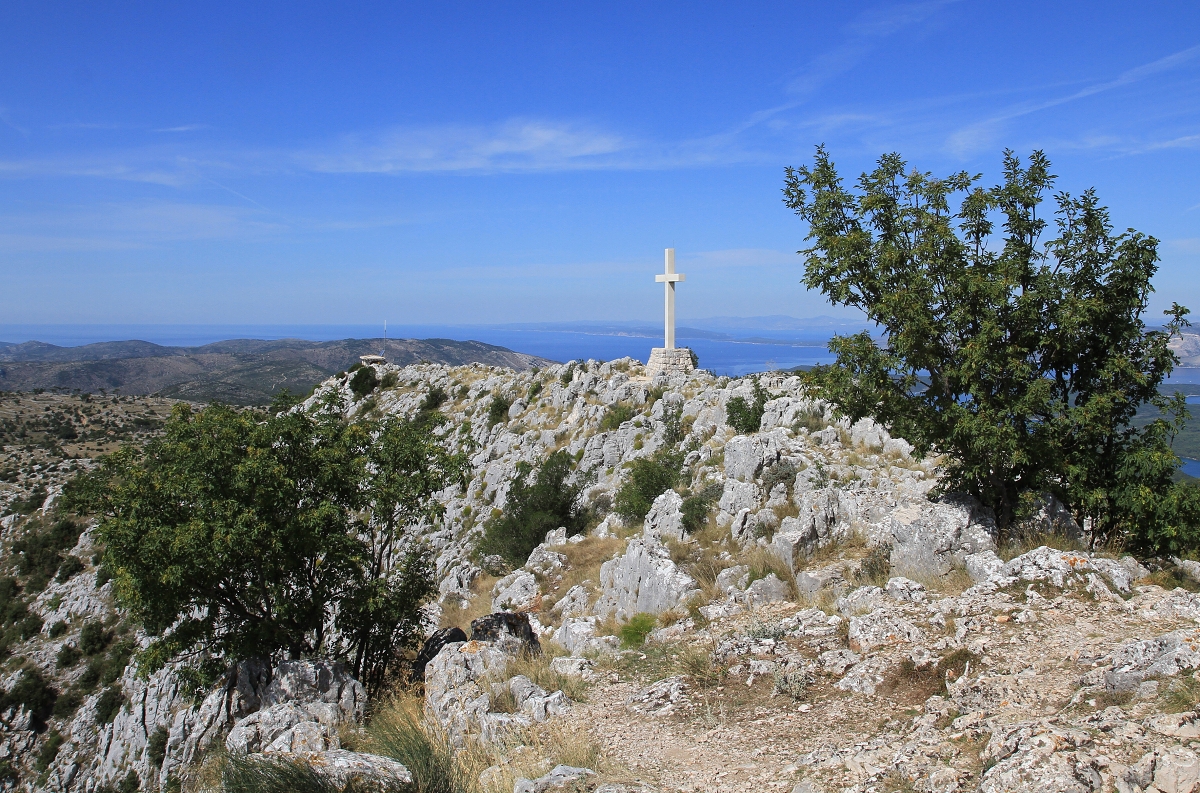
point(516, 592)
point(574, 603)
point(545, 562)
point(643, 580)
point(733, 579)
point(907, 591)
point(983, 566)
point(432, 646)
point(1135, 661)
point(511, 632)
point(343, 768)
point(561, 777)
point(665, 518)
point(860, 601)
point(659, 698)
point(929, 539)
point(766, 590)
point(881, 628)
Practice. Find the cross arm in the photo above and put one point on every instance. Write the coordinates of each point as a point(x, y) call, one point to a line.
point(670, 277)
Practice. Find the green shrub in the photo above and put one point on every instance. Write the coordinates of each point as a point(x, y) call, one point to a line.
point(617, 415)
point(67, 703)
point(634, 632)
point(697, 506)
point(364, 382)
point(93, 638)
point(48, 751)
point(783, 472)
point(567, 375)
point(648, 478)
point(534, 389)
point(498, 410)
point(389, 380)
point(41, 550)
point(746, 417)
point(33, 692)
point(109, 704)
point(538, 501)
point(58, 629)
point(434, 399)
point(156, 747)
point(67, 656)
point(70, 566)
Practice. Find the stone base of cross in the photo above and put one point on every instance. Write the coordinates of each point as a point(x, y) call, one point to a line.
point(664, 362)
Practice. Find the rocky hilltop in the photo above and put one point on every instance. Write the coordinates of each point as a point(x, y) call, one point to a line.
point(801, 613)
point(237, 371)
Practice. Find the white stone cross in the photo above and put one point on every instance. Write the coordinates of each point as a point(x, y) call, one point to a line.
point(668, 280)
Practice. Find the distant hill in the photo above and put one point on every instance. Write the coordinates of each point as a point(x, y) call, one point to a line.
point(238, 371)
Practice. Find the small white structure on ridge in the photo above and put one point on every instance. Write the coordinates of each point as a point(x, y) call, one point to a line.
point(667, 359)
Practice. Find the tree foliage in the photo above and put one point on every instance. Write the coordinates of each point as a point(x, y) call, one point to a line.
point(538, 501)
point(253, 534)
point(1021, 361)
point(746, 417)
point(647, 479)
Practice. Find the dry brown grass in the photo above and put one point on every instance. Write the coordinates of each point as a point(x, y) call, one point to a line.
point(1025, 542)
point(479, 606)
point(537, 668)
point(584, 559)
point(954, 582)
point(763, 562)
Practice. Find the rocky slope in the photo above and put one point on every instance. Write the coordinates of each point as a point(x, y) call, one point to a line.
point(827, 627)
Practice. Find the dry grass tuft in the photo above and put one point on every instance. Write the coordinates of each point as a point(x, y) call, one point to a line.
point(479, 606)
point(1025, 542)
point(537, 668)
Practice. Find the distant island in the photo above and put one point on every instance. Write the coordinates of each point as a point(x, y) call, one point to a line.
point(238, 371)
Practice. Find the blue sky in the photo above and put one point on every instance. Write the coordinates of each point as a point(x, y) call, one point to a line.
point(508, 162)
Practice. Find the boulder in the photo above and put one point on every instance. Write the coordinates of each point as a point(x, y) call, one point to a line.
point(560, 778)
point(665, 518)
point(766, 590)
point(733, 579)
point(511, 632)
point(574, 603)
point(735, 497)
point(545, 562)
point(983, 566)
point(579, 636)
point(432, 646)
point(747, 455)
point(907, 591)
point(1135, 661)
point(929, 539)
point(516, 592)
point(860, 601)
point(344, 768)
point(643, 580)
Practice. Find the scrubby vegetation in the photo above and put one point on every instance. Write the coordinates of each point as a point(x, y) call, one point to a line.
point(539, 500)
point(746, 417)
point(646, 480)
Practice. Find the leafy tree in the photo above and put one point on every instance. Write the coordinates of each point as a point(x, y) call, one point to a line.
point(379, 617)
point(1022, 362)
point(250, 535)
point(538, 501)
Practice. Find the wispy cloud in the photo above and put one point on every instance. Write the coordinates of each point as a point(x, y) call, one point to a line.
point(128, 225)
point(182, 128)
point(514, 145)
point(981, 134)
